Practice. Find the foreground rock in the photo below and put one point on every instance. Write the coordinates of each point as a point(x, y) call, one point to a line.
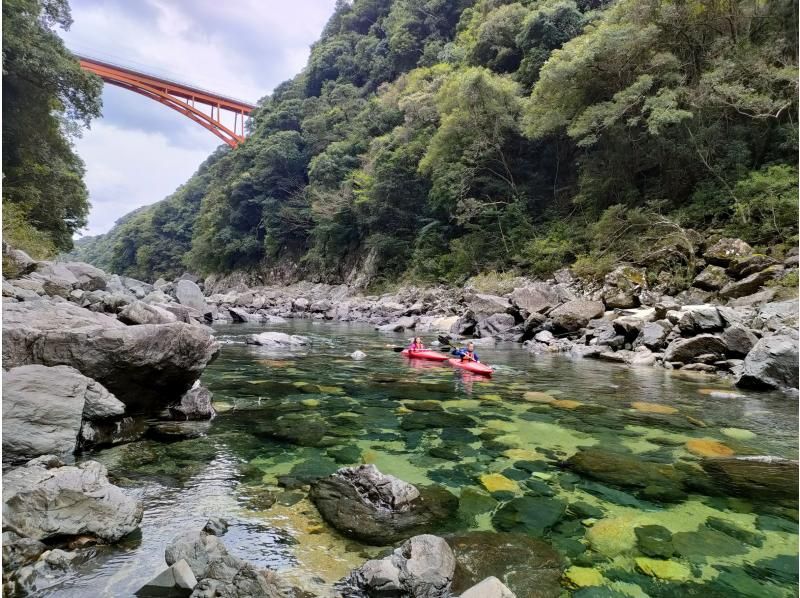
point(142, 365)
point(365, 504)
point(44, 409)
point(422, 567)
point(220, 573)
point(772, 363)
point(527, 566)
point(46, 499)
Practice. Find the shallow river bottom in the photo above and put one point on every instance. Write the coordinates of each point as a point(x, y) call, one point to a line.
point(287, 419)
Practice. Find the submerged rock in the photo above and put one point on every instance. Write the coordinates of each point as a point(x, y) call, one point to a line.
point(527, 566)
point(763, 478)
point(365, 504)
point(46, 499)
point(422, 567)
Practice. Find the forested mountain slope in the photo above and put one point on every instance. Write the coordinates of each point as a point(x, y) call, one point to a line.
point(435, 139)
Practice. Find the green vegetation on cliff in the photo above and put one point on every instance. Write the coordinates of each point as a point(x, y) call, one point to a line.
point(437, 139)
point(46, 98)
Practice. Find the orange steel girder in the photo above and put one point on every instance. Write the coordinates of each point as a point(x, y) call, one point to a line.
point(177, 96)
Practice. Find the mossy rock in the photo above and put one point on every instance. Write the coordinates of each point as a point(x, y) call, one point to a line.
point(529, 514)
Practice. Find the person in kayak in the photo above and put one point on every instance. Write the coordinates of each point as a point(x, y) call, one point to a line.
point(416, 345)
point(468, 353)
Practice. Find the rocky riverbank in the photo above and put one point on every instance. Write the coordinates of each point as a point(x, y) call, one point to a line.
point(733, 321)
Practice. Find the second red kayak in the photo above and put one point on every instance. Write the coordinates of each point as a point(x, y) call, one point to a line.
point(471, 366)
point(425, 354)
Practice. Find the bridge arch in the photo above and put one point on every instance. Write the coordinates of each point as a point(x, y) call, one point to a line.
point(178, 96)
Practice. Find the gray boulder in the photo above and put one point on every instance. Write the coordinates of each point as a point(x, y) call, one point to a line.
point(189, 294)
point(241, 315)
point(491, 587)
point(574, 315)
point(278, 340)
point(699, 318)
point(422, 567)
point(44, 407)
point(173, 579)
point(538, 297)
point(685, 350)
point(623, 286)
point(712, 278)
point(88, 278)
point(750, 264)
point(496, 325)
point(654, 335)
point(139, 312)
point(777, 315)
point(750, 284)
point(194, 404)
point(197, 548)
point(16, 262)
point(47, 499)
point(144, 366)
point(726, 250)
point(738, 340)
point(772, 363)
point(379, 509)
point(484, 305)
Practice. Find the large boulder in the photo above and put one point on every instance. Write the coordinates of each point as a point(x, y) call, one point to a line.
point(496, 325)
point(772, 363)
point(483, 305)
point(654, 335)
point(699, 318)
point(538, 297)
point(422, 567)
point(623, 286)
point(777, 315)
point(144, 366)
point(685, 350)
point(712, 278)
point(16, 262)
point(88, 278)
point(750, 284)
point(189, 294)
point(528, 566)
point(726, 250)
point(44, 408)
point(46, 499)
point(278, 340)
point(574, 315)
point(739, 340)
point(365, 504)
point(139, 312)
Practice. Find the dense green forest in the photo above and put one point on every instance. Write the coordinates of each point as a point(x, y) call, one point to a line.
point(438, 139)
point(47, 97)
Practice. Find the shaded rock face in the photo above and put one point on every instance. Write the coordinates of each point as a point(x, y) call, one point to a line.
point(364, 504)
point(653, 335)
point(738, 340)
point(189, 294)
point(535, 298)
point(44, 409)
point(749, 284)
point(194, 404)
point(772, 363)
point(528, 566)
point(482, 305)
point(685, 350)
point(142, 365)
point(46, 499)
point(422, 567)
point(16, 262)
point(712, 278)
point(574, 315)
point(765, 478)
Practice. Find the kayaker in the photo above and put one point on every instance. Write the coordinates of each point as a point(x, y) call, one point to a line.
point(468, 353)
point(416, 345)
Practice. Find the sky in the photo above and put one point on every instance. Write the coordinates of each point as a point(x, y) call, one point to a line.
point(140, 151)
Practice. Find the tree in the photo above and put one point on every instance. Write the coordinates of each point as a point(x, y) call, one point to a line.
point(46, 97)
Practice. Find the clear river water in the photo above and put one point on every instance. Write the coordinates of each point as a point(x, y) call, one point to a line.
point(498, 444)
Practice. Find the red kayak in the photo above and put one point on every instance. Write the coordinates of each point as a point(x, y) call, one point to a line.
point(425, 354)
point(471, 366)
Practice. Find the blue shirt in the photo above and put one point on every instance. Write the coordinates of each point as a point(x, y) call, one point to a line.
point(463, 351)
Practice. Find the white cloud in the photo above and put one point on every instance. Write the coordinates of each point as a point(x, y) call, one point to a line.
point(241, 49)
point(127, 169)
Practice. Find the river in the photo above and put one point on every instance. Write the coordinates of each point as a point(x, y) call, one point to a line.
point(286, 419)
